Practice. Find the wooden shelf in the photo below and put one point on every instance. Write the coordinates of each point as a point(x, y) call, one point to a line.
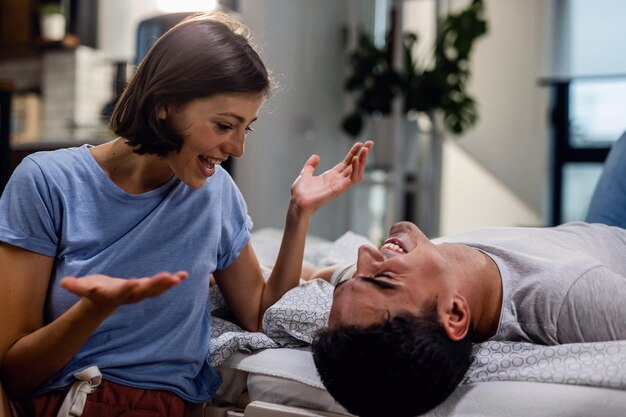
point(40, 46)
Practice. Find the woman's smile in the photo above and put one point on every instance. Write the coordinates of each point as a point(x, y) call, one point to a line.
point(207, 165)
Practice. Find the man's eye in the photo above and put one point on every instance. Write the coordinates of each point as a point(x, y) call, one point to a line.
point(381, 281)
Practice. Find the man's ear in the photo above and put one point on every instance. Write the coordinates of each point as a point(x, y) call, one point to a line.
point(456, 318)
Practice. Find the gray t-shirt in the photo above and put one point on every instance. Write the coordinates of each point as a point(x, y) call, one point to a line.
point(560, 285)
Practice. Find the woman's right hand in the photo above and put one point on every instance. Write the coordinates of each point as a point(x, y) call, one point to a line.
point(32, 350)
point(109, 293)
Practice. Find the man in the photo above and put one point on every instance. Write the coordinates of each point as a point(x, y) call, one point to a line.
point(404, 317)
point(608, 204)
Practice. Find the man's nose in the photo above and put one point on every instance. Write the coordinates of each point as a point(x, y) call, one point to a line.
point(368, 260)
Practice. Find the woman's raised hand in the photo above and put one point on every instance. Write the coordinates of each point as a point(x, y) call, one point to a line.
point(310, 192)
point(109, 293)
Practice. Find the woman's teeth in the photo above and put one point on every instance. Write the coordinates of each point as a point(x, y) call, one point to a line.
point(211, 160)
point(393, 247)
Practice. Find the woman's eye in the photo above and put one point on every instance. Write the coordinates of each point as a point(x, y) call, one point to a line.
point(224, 127)
point(249, 129)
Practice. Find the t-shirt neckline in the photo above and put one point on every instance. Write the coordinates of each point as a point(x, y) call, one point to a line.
point(113, 187)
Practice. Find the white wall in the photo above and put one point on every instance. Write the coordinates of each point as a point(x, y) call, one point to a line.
point(300, 41)
point(504, 155)
point(472, 197)
point(495, 174)
point(511, 138)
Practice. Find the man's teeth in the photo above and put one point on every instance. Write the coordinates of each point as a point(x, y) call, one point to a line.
point(393, 247)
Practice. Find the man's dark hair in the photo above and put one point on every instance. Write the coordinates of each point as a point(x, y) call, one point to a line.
point(404, 366)
point(202, 56)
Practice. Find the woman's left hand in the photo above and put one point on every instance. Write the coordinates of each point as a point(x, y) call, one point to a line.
point(309, 192)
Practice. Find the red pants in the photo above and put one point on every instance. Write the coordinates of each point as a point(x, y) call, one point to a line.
point(110, 400)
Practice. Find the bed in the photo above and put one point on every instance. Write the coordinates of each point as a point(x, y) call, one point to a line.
point(273, 374)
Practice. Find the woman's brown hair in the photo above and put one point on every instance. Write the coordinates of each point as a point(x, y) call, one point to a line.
point(204, 55)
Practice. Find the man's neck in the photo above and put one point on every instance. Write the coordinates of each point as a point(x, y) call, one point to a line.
point(491, 302)
point(481, 284)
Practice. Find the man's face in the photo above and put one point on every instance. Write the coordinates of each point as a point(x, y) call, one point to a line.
point(407, 271)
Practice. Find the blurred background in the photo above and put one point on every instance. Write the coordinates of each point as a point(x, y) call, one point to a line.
point(545, 80)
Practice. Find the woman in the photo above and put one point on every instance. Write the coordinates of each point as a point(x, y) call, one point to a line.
point(78, 224)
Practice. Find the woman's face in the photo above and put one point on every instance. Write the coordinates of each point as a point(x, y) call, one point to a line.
point(213, 129)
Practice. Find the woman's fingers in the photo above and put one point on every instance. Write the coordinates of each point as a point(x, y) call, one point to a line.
point(108, 290)
point(354, 150)
point(359, 161)
point(157, 284)
point(358, 157)
point(310, 165)
point(358, 150)
point(347, 161)
point(312, 192)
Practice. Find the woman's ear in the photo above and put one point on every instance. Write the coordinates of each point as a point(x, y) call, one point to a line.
point(456, 318)
point(162, 113)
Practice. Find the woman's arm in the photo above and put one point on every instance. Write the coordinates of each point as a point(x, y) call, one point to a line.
point(242, 284)
point(324, 272)
point(30, 352)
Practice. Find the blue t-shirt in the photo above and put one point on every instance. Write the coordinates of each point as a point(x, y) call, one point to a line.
point(62, 204)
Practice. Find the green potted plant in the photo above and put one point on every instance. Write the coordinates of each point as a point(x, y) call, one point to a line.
point(52, 22)
point(443, 87)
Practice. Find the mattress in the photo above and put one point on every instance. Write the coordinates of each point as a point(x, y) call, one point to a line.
point(281, 376)
point(271, 376)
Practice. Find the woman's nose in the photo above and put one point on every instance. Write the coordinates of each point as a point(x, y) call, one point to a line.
point(237, 146)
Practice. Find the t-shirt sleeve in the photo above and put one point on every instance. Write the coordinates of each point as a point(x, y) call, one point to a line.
point(236, 226)
point(343, 273)
point(27, 212)
point(594, 309)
